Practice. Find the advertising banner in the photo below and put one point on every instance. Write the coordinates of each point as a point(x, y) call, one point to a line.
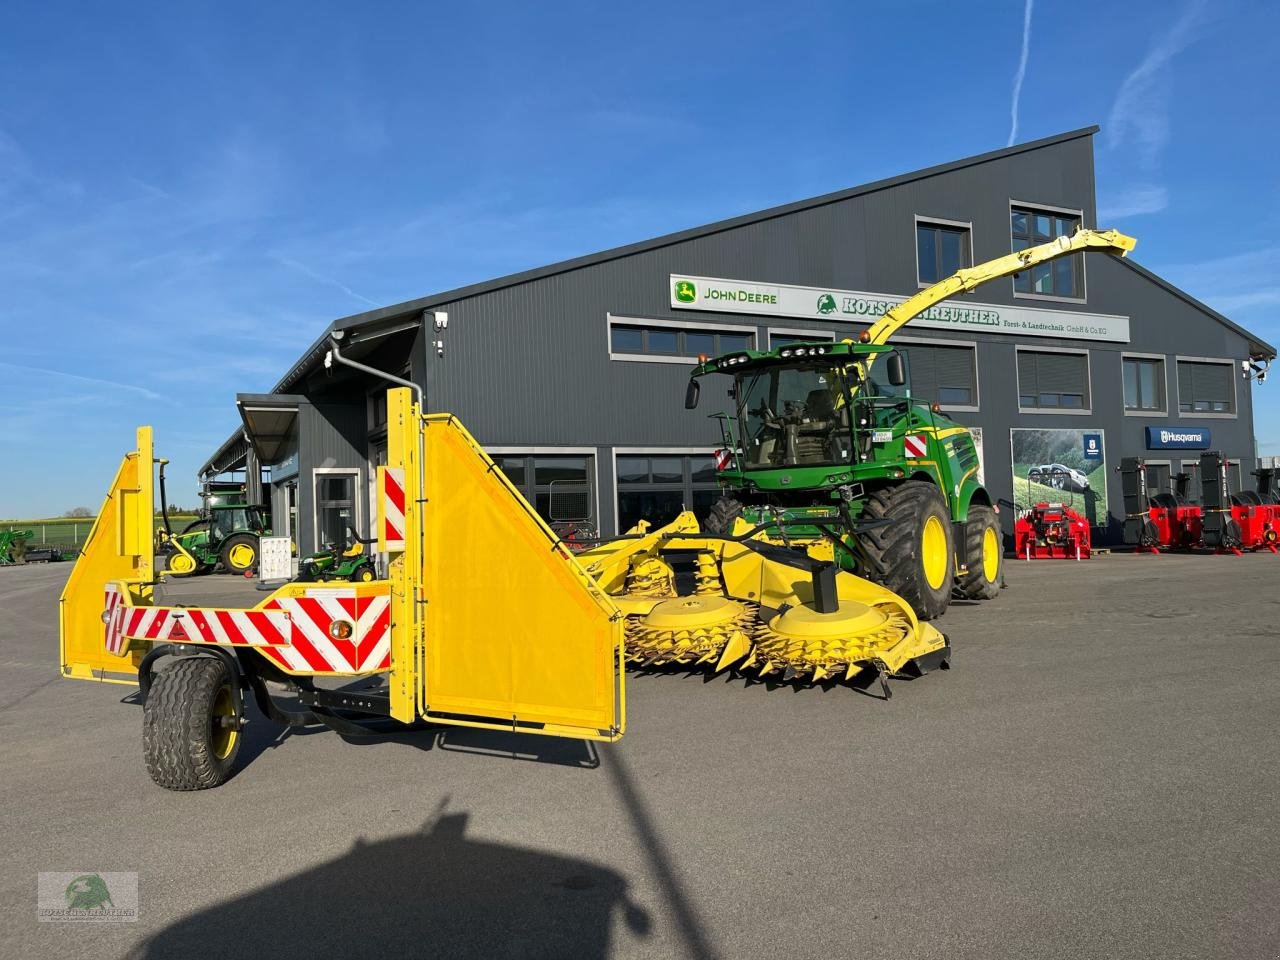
point(1054, 466)
point(857, 306)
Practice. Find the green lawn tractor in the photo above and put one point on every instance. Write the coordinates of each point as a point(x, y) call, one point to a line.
point(827, 450)
point(224, 537)
point(343, 560)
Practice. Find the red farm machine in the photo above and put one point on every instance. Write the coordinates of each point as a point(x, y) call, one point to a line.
point(1052, 530)
point(1223, 521)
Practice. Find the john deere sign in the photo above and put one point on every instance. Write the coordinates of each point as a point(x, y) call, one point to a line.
point(854, 306)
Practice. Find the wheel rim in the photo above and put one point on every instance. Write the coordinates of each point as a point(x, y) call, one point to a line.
point(224, 736)
point(990, 555)
point(933, 552)
point(366, 575)
point(181, 563)
point(241, 556)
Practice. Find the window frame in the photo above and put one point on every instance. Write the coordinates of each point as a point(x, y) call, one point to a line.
point(684, 360)
point(807, 334)
point(1147, 461)
point(530, 481)
point(977, 368)
point(1058, 211)
point(618, 489)
point(965, 225)
point(1232, 365)
point(1164, 366)
point(356, 504)
point(1086, 410)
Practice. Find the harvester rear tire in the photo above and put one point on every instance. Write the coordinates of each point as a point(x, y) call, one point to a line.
point(183, 743)
point(239, 553)
point(978, 583)
point(899, 546)
point(721, 516)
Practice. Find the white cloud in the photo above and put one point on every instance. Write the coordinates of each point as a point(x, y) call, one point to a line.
point(1021, 73)
point(1133, 201)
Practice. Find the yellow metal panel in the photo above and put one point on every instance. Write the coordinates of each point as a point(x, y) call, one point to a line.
point(517, 634)
point(120, 547)
point(404, 436)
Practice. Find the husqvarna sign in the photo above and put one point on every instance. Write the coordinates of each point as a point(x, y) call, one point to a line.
point(1177, 438)
point(857, 306)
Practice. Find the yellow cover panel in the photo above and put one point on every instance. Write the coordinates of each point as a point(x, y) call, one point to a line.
point(120, 547)
point(516, 632)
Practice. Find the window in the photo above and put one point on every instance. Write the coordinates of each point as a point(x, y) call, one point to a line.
point(941, 250)
point(560, 487)
point(1143, 384)
point(637, 339)
point(1206, 387)
point(1057, 278)
point(1053, 381)
point(945, 375)
point(782, 339)
point(656, 487)
point(1159, 477)
point(335, 505)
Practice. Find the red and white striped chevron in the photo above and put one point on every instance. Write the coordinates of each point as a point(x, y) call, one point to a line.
point(915, 445)
point(292, 631)
point(391, 508)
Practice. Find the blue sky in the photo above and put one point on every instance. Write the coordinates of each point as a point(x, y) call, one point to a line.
point(189, 192)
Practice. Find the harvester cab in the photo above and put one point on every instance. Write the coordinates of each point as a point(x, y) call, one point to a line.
point(827, 443)
point(1052, 530)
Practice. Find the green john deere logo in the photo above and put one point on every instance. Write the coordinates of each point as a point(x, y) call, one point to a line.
point(686, 292)
point(88, 892)
point(826, 304)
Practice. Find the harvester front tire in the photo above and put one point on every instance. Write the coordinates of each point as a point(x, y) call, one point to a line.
point(983, 553)
point(239, 553)
point(185, 744)
point(917, 510)
point(721, 516)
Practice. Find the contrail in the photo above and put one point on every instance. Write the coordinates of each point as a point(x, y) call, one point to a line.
point(321, 278)
point(1021, 74)
point(149, 394)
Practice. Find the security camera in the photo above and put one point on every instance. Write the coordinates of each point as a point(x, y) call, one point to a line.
point(1262, 376)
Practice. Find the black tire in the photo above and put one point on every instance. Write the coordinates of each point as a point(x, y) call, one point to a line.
point(184, 746)
point(233, 541)
point(897, 545)
point(975, 584)
point(365, 574)
point(1150, 534)
point(721, 516)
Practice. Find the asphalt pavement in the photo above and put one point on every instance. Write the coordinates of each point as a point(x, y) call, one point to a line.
point(1095, 777)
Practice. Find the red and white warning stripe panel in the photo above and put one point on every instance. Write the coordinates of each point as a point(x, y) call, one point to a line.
point(915, 445)
point(390, 509)
point(723, 459)
point(326, 631)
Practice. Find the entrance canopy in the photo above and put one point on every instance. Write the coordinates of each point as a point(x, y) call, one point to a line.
point(270, 421)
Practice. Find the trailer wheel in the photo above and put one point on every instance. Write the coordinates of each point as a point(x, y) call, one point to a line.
point(983, 553)
point(915, 550)
point(239, 552)
point(722, 514)
point(191, 725)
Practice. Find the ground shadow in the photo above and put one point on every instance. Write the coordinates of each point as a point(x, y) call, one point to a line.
point(435, 893)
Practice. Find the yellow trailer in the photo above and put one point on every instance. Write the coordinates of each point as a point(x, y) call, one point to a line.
point(485, 617)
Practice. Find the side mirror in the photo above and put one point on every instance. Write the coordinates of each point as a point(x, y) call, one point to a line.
point(897, 371)
point(691, 395)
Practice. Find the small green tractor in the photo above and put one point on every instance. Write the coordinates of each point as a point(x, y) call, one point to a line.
point(343, 560)
point(827, 450)
point(224, 536)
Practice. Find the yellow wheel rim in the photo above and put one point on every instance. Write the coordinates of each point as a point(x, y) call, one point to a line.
point(224, 737)
point(366, 575)
point(181, 563)
point(990, 555)
point(933, 552)
point(241, 556)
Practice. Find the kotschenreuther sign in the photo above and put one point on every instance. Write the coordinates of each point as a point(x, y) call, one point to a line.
point(856, 306)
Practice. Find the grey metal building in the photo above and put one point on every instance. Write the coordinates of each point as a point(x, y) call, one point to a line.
point(573, 374)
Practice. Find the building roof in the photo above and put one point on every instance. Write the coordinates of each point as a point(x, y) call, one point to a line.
point(400, 312)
